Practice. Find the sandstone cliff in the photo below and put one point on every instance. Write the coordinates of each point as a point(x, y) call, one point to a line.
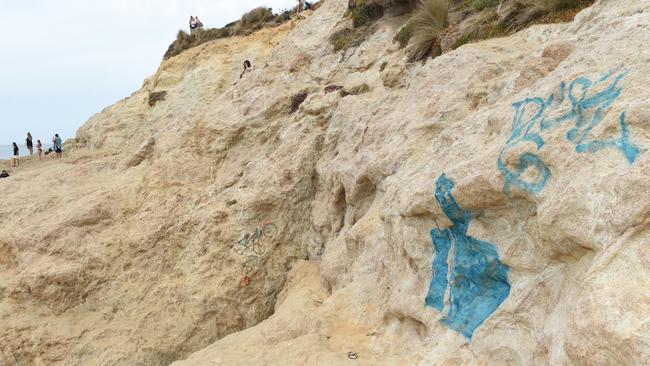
point(487, 207)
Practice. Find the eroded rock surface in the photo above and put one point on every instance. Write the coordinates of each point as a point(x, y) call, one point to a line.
point(173, 228)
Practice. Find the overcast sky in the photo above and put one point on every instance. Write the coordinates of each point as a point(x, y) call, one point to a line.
point(62, 61)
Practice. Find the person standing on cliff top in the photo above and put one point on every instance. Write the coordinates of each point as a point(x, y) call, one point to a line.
point(303, 5)
point(39, 148)
point(15, 161)
point(30, 144)
point(192, 24)
point(58, 145)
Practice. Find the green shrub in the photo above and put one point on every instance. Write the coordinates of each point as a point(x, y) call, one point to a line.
point(185, 41)
point(404, 35)
point(359, 89)
point(366, 13)
point(489, 26)
point(348, 37)
point(430, 19)
point(549, 6)
point(482, 4)
point(256, 16)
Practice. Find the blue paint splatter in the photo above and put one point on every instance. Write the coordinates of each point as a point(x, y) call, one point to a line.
point(588, 103)
point(479, 281)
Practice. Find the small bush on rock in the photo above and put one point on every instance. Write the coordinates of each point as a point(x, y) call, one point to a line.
point(348, 37)
point(156, 97)
point(404, 35)
point(359, 89)
point(366, 14)
point(297, 100)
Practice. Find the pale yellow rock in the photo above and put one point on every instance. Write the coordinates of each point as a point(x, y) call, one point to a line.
point(217, 228)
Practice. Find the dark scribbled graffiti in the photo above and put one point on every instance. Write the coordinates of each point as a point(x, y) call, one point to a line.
point(254, 245)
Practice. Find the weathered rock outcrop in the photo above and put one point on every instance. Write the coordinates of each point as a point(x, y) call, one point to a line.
point(487, 207)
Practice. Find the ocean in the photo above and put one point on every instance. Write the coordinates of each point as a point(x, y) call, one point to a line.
point(6, 151)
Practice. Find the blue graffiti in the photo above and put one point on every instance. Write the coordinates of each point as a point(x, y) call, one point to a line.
point(582, 105)
point(479, 281)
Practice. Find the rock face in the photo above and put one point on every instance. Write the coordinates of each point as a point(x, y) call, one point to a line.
point(487, 207)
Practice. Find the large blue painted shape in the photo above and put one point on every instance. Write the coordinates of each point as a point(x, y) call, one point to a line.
point(479, 281)
point(479, 284)
point(586, 103)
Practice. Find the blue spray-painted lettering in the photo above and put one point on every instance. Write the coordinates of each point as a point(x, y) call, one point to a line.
point(587, 105)
point(478, 282)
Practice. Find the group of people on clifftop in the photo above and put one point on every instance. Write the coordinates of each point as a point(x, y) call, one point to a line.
point(195, 23)
point(56, 149)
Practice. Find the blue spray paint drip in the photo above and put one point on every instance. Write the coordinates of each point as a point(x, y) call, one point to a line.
point(438, 286)
point(589, 103)
point(479, 281)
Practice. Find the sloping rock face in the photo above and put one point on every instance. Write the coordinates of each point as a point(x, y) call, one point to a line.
point(487, 207)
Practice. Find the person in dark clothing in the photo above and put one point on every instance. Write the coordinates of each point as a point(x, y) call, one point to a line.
point(192, 24)
point(247, 68)
point(303, 5)
point(58, 145)
point(15, 159)
point(39, 147)
point(30, 144)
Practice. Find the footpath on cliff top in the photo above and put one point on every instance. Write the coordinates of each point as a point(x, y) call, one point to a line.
point(486, 207)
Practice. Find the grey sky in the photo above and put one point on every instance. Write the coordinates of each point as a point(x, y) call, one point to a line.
point(62, 61)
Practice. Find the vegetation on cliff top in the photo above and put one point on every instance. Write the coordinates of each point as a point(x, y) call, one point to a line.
point(250, 22)
point(437, 26)
point(430, 33)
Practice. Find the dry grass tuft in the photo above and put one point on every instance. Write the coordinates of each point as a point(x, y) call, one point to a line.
point(257, 16)
point(548, 6)
point(516, 15)
point(349, 37)
point(430, 19)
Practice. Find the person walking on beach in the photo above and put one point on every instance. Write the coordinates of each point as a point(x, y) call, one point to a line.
point(15, 160)
point(58, 145)
point(30, 144)
point(39, 148)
